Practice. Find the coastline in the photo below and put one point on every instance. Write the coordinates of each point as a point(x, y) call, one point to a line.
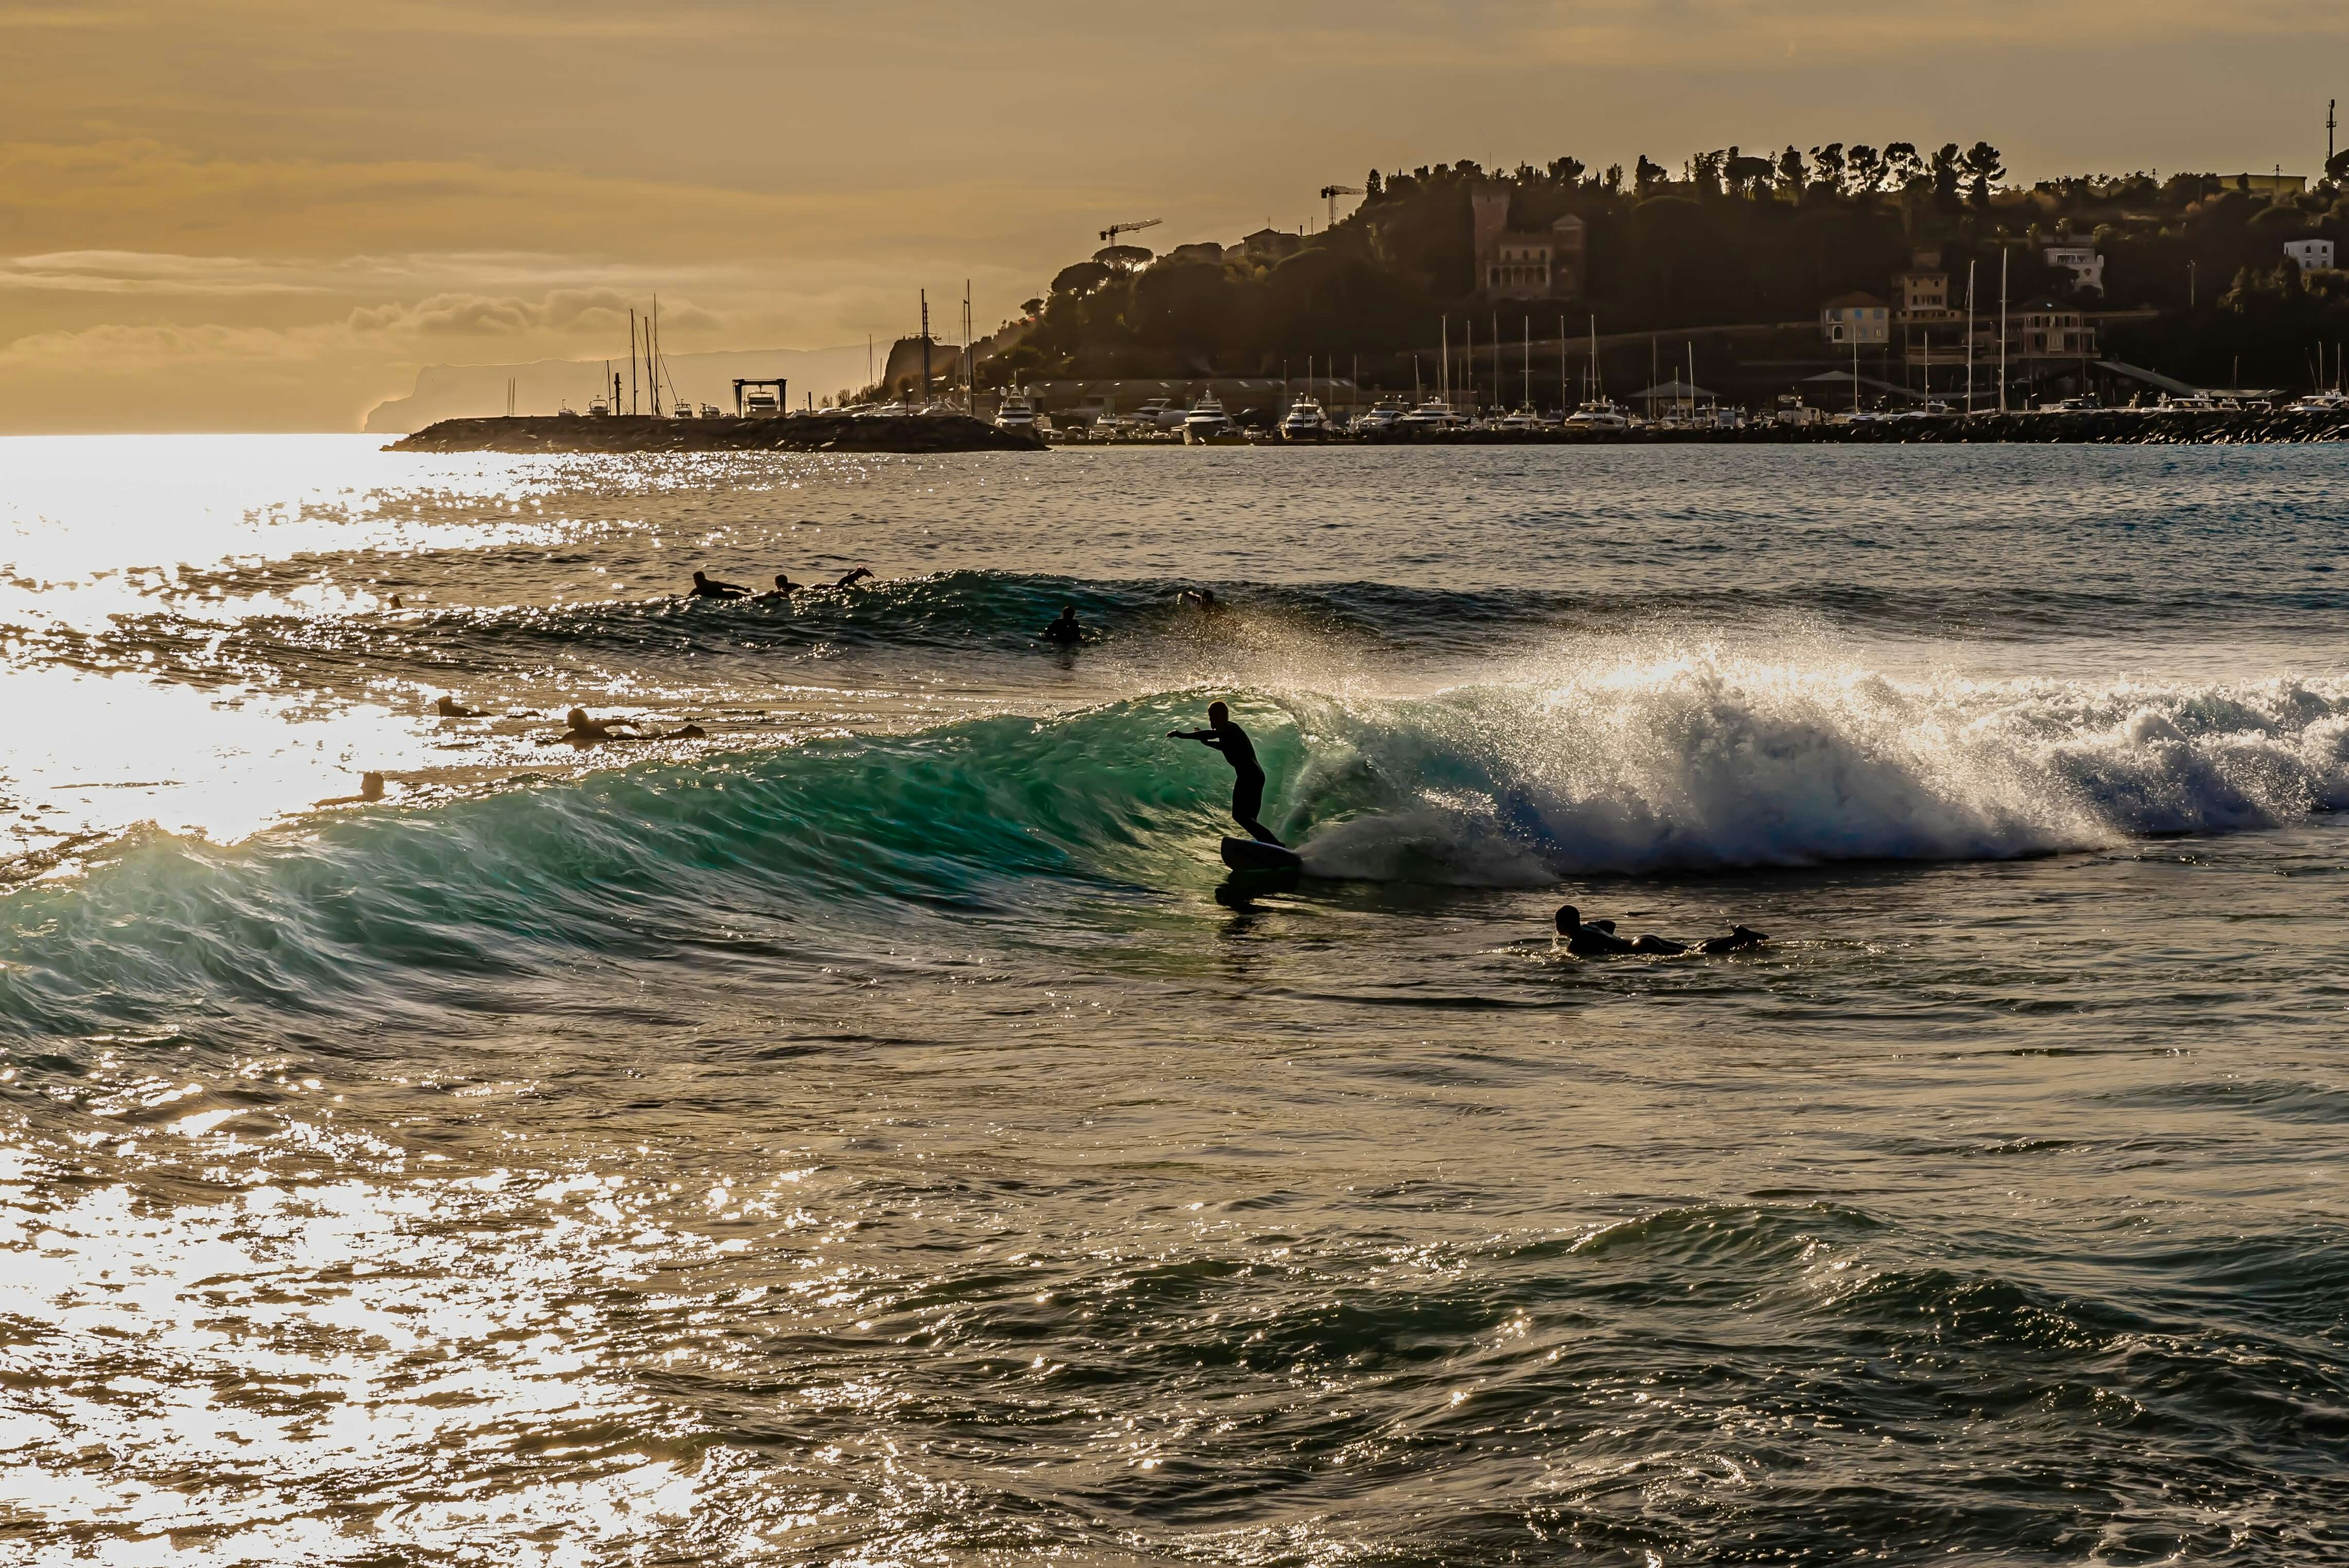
point(644, 433)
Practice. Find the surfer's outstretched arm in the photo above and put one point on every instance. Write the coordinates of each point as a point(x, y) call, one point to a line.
point(1204, 737)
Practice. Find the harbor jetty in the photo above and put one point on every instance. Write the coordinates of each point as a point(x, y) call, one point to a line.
point(2103, 426)
point(786, 433)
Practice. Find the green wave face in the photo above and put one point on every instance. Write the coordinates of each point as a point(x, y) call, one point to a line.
point(991, 819)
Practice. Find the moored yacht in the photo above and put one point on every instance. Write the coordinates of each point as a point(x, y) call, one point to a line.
point(1379, 416)
point(1018, 413)
point(1207, 425)
point(1435, 414)
point(1599, 413)
point(1306, 421)
point(1524, 418)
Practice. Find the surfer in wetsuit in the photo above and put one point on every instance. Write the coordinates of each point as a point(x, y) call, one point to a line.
point(1248, 786)
point(710, 588)
point(584, 732)
point(1597, 939)
point(783, 589)
point(370, 791)
point(851, 578)
point(1068, 631)
point(450, 707)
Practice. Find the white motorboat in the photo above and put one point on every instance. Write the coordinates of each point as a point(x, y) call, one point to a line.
point(1435, 414)
point(1306, 421)
point(2324, 402)
point(1599, 413)
point(1523, 419)
point(1161, 414)
point(1018, 413)
point(1381, 416)
point(1207, 425)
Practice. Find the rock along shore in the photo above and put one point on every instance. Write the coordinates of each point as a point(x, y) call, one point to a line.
point(2107, 427)
point(789, 433)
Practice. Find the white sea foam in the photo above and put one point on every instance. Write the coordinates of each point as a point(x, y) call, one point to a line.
point(1687, 759)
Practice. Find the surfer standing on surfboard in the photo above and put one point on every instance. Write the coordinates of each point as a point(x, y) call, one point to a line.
point(1247, 786)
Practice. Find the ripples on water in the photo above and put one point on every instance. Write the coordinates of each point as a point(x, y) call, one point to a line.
point(867, 1137)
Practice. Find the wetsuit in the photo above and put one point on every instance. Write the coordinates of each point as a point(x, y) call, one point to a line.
point(1066, 631)
point(1739, 937)
point(1248, 786)
point(1596, 938)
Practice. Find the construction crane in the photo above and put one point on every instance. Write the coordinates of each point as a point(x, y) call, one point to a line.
point(1331, 193)
point(1110, 234)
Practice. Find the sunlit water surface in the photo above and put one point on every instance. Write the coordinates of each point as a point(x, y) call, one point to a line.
point(879, 1132)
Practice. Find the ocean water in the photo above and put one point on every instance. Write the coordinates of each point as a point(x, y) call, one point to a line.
point(880, 1132)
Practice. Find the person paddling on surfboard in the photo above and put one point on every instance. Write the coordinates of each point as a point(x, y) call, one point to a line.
point(1596, 938)
point(1247, 786)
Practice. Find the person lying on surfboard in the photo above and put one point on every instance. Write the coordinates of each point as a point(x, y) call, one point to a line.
point(709, 587)
point(1248, 786)
point(584, 732)
point(1597, 939)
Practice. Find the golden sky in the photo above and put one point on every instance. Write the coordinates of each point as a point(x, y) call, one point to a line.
point(266, 214)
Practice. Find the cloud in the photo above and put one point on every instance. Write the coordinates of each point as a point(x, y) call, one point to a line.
point(420, 327)
point(561, 311)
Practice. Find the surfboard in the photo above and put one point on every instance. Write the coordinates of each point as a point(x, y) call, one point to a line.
point(1250, 855)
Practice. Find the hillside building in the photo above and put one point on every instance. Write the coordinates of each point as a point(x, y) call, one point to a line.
point(1856, 318)
point(2086, 267)
point(1265, 247)
point(1931, 325)
point(2050, 329)
point(2313, 255)
point(1526, 264)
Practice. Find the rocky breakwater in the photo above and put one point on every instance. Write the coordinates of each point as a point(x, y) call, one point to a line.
point(2105, 426)
point(788, 433)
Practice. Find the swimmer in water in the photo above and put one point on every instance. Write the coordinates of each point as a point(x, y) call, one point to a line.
point(1247, 782)
point(851, 578)
point(370, 791)
point(783, 589)
point(450, 707)
point(710, 588)
point(1068, 631)
point(1201, 599)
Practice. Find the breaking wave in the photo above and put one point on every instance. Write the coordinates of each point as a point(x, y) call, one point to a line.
point(1672, 760)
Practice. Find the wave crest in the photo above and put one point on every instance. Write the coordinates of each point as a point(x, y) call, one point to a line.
point(1700, 759)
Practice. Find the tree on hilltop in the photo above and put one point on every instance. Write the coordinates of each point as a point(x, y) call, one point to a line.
point(1982, 167)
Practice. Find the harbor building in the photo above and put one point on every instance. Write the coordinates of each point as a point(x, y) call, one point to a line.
point(1526, 264)
point(2050, 329)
